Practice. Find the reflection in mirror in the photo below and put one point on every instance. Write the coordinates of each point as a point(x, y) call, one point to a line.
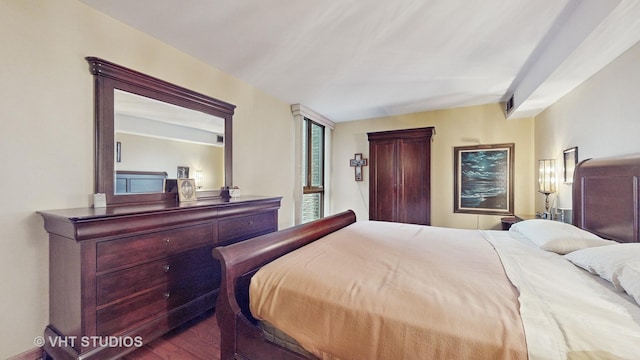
point(150, 142)
point(154, 138)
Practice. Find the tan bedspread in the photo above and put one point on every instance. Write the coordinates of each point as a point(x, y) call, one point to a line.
point(379, 290)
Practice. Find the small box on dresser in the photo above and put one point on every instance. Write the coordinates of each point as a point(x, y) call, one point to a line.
point(132, 273)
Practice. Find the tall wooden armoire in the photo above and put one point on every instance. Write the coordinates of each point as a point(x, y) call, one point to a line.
point(400, 175)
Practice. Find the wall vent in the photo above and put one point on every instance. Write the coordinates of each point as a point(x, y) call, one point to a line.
point(508, 106)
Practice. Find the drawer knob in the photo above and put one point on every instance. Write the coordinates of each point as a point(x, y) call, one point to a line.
point(166, 241)
point(250, 223)
point(167, 294)
point(166, 268)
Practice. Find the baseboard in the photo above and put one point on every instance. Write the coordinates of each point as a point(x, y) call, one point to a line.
point(31, 354)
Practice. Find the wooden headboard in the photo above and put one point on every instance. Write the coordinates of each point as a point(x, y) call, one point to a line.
point(606, 197)
point(139, 181)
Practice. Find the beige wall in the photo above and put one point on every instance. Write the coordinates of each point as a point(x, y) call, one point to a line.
point(46, 138)
point(454, 127)
point(601, 117)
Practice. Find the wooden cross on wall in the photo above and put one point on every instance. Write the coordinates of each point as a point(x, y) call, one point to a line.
point(357, 163)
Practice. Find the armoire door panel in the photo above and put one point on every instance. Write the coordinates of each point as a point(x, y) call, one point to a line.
point(384, 181)
point(413, 193)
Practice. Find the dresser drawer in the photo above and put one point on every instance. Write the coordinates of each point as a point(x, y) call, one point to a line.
point(186, 275)
point(119, 317)
point(119, 284)
point(245, 227)
point(143, 248)
point(150, 290)
point(193, 274)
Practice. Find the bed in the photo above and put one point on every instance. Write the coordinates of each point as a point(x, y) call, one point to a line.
point(542, 290)
point(138, 182)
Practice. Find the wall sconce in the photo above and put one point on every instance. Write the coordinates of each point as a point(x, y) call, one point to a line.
point(546, 179)
point(199, 179)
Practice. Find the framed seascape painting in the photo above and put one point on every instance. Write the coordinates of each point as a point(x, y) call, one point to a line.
point(483, 179)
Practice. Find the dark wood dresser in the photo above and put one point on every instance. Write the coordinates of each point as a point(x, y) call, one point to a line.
point(122, 276)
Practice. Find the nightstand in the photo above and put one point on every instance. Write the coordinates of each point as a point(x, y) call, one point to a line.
point(507, 221)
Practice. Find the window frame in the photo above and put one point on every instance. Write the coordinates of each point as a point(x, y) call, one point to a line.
point(308, 187)
point(300, 112)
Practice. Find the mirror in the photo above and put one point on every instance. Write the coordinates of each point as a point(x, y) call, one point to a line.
point(148, 130)
point(156, 140)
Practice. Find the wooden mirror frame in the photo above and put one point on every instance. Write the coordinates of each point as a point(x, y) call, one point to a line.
point(108, 77)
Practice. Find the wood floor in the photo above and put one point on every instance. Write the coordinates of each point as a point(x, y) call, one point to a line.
point(199, 339)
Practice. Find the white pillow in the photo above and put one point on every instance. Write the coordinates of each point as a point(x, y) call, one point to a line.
point(558, 237)
point(606, 261)
point(629, 279)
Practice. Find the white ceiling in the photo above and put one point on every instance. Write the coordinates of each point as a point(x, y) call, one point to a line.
point(357, 59)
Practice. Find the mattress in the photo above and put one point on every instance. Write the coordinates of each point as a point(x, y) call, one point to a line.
point(567, 312)
point(389, 290)
point(380, 290)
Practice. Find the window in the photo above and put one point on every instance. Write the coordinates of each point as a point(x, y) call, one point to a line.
point(312, 192)
point(312, 171)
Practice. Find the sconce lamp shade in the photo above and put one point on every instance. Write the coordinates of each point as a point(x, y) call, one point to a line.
point(547, 176)
point(199, 179)
point(546, 179)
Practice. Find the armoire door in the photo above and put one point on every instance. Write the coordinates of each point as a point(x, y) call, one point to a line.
point(412, 200)
point(383, 180)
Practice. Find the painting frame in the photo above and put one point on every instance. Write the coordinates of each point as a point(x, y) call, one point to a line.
point(569, 162)
point(118, 151)
point(187, 190)
point(182, 172)
point(483, 179)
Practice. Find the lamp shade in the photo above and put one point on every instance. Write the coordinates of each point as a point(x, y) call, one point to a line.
point(199, 179)
point(547, 176)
